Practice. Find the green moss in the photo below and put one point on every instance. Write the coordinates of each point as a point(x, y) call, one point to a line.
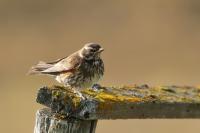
point(66, 94)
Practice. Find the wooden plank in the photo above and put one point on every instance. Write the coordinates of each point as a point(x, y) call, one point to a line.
point(48, 122)
point(126, 102)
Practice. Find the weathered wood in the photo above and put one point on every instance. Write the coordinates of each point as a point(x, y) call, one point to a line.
point(48, 122)
point(124, 102)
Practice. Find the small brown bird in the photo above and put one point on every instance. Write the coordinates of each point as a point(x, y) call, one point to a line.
point(80, 70)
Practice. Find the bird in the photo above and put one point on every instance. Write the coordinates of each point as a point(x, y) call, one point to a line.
point(78, 71)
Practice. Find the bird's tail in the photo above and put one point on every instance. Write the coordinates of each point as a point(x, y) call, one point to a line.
point(39, 68)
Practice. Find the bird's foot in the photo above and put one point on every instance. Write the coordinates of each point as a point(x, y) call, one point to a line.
point(79, 94)
point(96, 87)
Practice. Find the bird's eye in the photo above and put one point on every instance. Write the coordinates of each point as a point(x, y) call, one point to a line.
point(92, 50)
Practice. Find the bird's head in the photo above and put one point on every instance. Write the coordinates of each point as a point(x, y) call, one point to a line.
point(91, 51)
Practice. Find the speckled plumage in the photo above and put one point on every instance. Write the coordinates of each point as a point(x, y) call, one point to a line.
point(80, 70)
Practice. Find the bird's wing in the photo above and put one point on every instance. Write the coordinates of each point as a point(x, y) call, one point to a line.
point(68, 64)
point(56, 61)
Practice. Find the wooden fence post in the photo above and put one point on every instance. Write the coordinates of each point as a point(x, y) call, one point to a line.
point(68, 113)
point(46, 122)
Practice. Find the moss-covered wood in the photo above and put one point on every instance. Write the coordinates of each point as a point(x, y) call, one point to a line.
point(125, 102)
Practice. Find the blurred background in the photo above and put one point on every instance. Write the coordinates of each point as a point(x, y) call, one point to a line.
point(153, 42)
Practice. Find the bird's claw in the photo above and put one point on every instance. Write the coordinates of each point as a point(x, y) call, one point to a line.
point(96, 87)
point(79, 94)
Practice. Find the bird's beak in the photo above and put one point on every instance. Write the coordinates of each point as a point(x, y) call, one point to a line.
point(100, 50)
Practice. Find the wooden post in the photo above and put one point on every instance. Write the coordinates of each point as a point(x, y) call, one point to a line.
point(126, 102)
point(46, 122)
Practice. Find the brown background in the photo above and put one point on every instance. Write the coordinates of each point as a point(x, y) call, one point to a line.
point(146, 41)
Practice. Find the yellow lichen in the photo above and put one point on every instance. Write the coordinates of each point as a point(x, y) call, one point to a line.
point(107, 96)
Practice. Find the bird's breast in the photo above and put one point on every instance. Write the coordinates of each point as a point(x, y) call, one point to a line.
point(85, 76)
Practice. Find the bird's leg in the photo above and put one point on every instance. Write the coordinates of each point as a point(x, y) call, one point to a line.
point(78, 93)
